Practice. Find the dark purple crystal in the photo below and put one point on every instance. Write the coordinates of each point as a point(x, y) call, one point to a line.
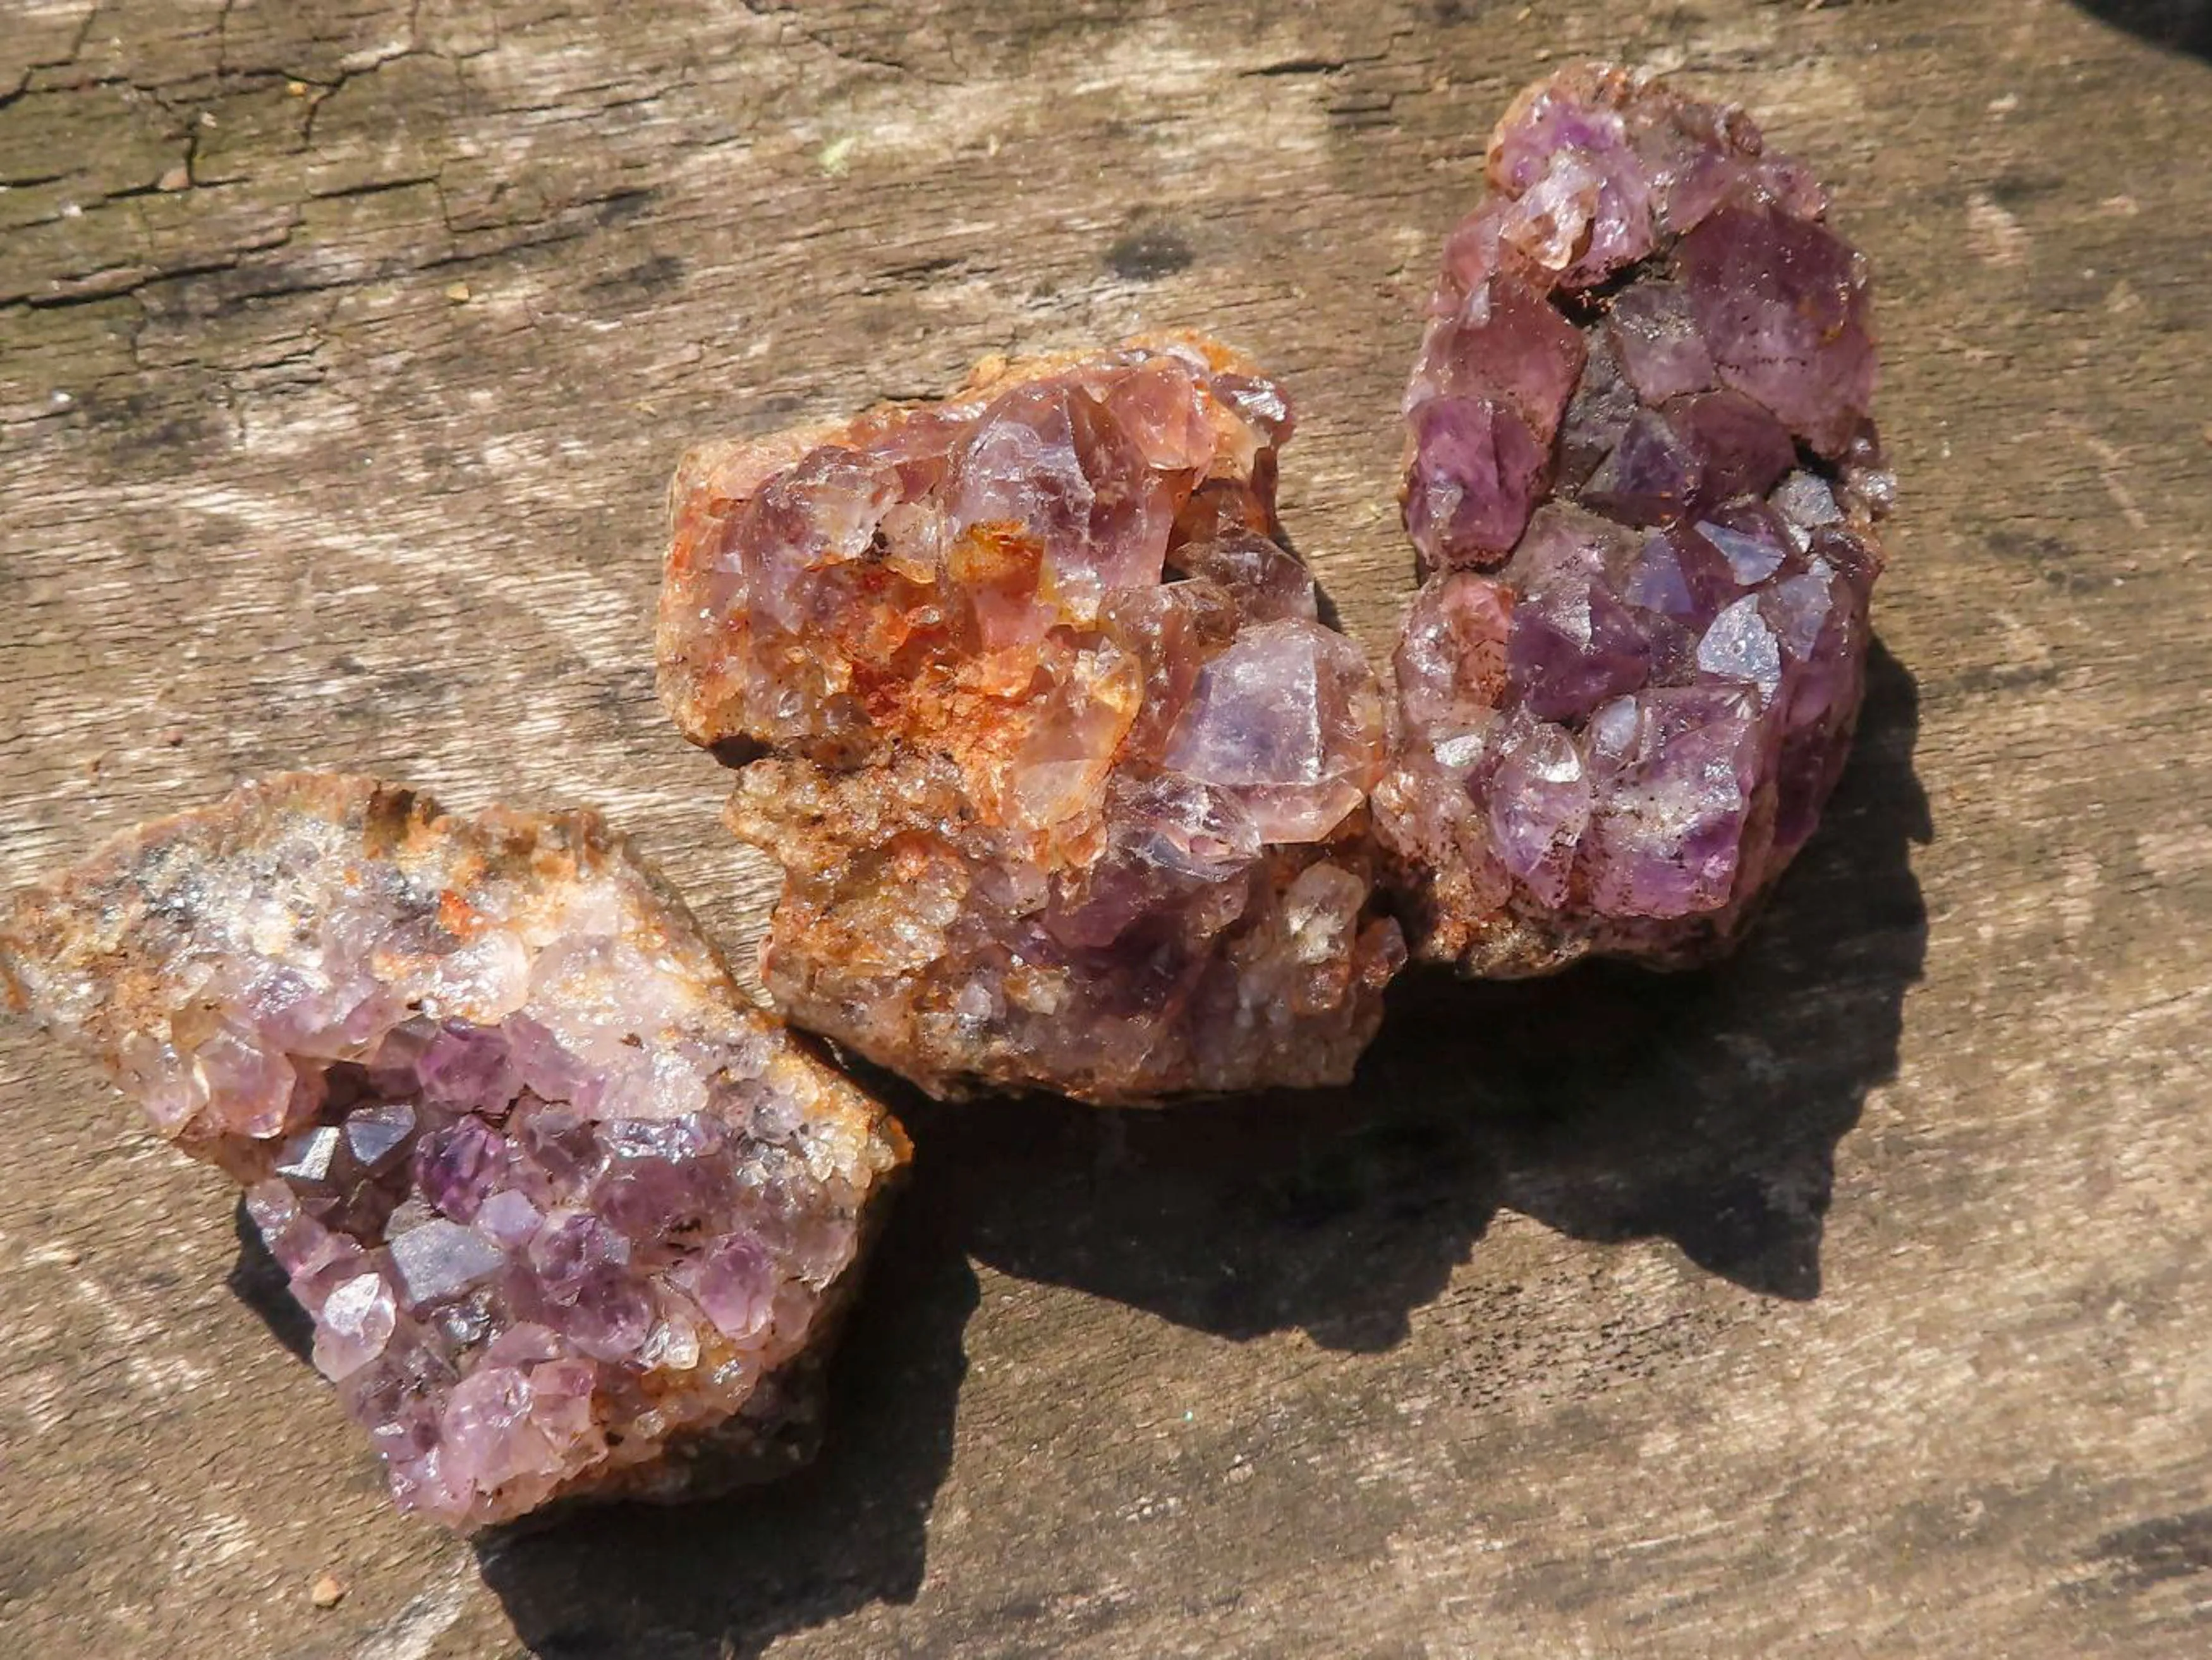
point(1643, 487)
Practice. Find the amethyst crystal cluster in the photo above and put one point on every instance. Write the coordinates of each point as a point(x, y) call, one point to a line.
point(1642, 486)
point(565, 1211)
point(1068, 781)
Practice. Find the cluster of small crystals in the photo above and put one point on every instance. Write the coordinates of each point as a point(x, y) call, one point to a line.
point(1643, 484)
point(560, 1206)
point(1068, 780)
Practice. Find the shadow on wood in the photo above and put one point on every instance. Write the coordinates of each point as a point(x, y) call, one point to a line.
point(2177, 25)
point(257, 1280)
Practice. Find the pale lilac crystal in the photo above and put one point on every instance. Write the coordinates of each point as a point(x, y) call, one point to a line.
point(1263, 726)
point(1067, 780)
point(1540, 805)
point(521, 1296)
point(510, 1217)
point(1632, 678)
point(355, 1322)
point(735, 1284)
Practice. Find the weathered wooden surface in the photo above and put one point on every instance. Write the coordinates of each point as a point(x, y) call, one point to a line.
point(1848, 1301)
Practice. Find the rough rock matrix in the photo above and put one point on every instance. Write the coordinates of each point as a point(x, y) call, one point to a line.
point(1068, 781)
point(569, 1217)
point(1643, 484)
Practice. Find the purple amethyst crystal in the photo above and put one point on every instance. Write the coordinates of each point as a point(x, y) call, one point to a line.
point(1067, 780)
point(1643, 487)
point(566, 1211)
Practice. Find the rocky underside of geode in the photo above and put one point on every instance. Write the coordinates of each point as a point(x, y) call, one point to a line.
point(1068, 781)
point(570, 1218)
point(1643, 487)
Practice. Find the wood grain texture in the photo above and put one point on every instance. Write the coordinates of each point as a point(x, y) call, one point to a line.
point(1847, 1300)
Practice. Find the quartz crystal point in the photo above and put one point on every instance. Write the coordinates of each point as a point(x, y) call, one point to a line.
point(1068, 781)
point(1643, 488)
point(570, 1217)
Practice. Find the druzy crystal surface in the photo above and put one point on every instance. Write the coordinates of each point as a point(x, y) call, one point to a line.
point(569, 1217)
point(1643, 487)
point(1067, 780)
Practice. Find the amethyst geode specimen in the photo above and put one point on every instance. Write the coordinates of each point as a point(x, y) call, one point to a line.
point(570, 1218)
point(1643, 487)
point(1067, 782)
